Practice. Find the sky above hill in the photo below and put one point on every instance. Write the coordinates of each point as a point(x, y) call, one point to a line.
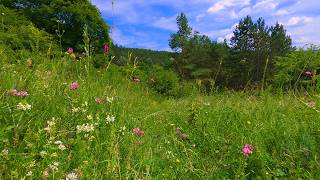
point(149, 23)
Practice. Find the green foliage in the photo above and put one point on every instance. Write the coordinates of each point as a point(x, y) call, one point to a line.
point(67, 15)
point(17, 33)
point(164, 82)
point(253, 45)
point(290, 69)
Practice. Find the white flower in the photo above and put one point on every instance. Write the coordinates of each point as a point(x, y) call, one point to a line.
point(110, 99)
point(5, 152)
point(24, 107)
point(110, 119)
point(75, 110)
point(71, 176)
point(206, 104)
point(29, 173)
point(50, 125)
point(54, 166)
point(85, 128)
point(43, 153)
point(58, 142)
point(89, 117)
point(62, 147)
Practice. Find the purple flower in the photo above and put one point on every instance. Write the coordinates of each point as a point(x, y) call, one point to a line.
point(106, 49)
point(70, 50)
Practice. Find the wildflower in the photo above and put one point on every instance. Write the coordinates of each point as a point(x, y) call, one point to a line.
point(89, 117)
point(122, 130)
point(50, 125)
point(62, 147)
point(206, 104)
point(184, 136)
point(29, 173)
point(76, 109)
point(135, 79)
point(43, 153)
point(110, 119)
point(141, 133)
point(308, 73)
point(21, 93)
point(5, 152)
point(110, 99)
point(74, 86)
point(70, 50)
point(98, 100)
point(58, 142)
point(54, 166)
point(71, 176)
point(85, 128)
point(105, 49)
point(247, 149)
point(136, 130)
point(24, 106)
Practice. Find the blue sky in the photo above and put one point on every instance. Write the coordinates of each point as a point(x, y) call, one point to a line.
point(149, 23)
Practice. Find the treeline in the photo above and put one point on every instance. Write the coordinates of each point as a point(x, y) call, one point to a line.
point(249, 58)
point(145, 56)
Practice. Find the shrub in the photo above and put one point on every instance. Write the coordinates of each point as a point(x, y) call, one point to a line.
point(165, 82)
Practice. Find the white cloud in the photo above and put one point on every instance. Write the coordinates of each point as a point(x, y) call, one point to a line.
point(281, 12)
point(224, 4)
point(265, 5)
point(294, 21)
point(166, 23)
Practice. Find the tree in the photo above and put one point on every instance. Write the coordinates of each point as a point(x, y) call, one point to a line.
point(68, 15)
point(280, 42)
point(255, 46)
point(178, 40)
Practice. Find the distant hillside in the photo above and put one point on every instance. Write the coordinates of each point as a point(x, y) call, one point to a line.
point(163, 58)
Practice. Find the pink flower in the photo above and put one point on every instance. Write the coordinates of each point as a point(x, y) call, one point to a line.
point(70, 50)
point(136, 130)
point(247, 149)
point(74, 86)
point(105, 49)
point(308, 73)
point(141, 133)
point(98, 100)
point(184, 136)
point(21, 93)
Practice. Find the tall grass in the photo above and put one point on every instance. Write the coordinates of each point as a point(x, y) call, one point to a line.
point(284, 132)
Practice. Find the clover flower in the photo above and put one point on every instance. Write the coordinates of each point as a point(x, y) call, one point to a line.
point(110, 119)
point(110, 99)
point(71, 176)
point(74, 86)
point(24, 106)
point(247, 150)
point(70, 50)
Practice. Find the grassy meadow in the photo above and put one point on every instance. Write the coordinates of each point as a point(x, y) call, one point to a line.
point(59, 131)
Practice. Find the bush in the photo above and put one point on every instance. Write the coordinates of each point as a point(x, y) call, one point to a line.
point(291, 70)
point(165, 82)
